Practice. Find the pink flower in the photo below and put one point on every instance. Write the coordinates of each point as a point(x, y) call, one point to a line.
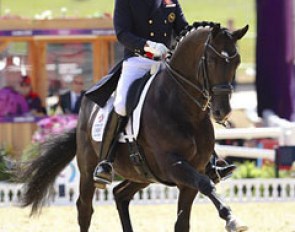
point(54, 125)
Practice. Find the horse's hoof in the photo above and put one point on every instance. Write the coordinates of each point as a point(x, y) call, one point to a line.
point(235, 225)
point(100, 185)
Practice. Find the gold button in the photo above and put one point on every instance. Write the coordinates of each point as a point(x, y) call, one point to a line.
point(152, 34)
point(165, 34)
point(150, 21)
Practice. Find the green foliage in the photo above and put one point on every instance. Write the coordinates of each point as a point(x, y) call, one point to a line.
point(8, 167)
point(4, 169)
point(57, 7)
point(31, 151)
point(249, 170)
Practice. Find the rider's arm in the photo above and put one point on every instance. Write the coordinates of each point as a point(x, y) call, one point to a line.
point(123, 23)
point(180, 22)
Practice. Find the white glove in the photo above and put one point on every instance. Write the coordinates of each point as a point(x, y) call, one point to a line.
point(158, 50)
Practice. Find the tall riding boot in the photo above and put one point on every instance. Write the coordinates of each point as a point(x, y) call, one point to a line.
point(103, 173)
point(218, 169)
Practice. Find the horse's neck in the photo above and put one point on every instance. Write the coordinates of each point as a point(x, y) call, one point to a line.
point(185, 61)
point(173, 101)
point(188, 54)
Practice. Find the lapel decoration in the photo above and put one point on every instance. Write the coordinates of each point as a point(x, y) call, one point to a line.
point(171, 17)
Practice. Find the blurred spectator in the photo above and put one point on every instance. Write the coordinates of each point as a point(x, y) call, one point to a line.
point(12, 103)
point(70, 101)
point(32, 98)
point(230, 24)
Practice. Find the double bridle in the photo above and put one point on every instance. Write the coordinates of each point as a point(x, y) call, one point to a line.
point(220, 89)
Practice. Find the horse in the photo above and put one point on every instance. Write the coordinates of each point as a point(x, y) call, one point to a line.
point(176, 133)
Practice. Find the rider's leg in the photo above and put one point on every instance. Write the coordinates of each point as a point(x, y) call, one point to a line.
point(103, 173)
point(132, 69)
point(218, 169)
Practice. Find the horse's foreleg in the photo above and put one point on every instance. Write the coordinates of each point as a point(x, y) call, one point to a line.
point(185, 201)
point(123, 194)
point(183, 174)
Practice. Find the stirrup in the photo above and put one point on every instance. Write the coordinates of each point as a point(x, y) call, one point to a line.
point(103, 174)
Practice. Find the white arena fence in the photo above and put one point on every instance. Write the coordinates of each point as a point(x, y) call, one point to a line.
point(277, 128)
point(66, 190)
point(247, 133)
point(241, 190)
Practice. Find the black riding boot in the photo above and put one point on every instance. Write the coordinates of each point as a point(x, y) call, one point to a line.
point(103, 173)
point(218, 169)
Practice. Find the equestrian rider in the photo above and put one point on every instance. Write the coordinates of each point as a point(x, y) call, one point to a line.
point(145, 28)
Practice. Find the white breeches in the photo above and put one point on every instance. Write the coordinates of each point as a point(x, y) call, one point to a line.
point(132, 69)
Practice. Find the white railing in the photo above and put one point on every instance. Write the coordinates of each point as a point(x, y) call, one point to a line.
point(245, 152)
point(248, 133)
point(242, 190)
point(287, 127)
point(280, 129)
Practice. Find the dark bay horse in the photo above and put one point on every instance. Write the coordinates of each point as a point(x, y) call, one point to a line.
point(176, 132)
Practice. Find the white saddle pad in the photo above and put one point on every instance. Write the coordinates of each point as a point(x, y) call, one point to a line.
point(132, 128)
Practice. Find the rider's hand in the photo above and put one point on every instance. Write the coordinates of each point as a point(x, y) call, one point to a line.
point(158, 50)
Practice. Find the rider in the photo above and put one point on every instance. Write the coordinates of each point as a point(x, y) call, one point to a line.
point(146, 29)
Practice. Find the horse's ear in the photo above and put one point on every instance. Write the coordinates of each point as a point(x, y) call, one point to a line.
point(238, 34)
point(215, 30)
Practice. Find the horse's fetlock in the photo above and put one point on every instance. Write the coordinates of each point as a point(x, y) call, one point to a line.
point(225, 212)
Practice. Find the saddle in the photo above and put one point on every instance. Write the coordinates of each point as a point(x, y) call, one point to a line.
point(101, 93)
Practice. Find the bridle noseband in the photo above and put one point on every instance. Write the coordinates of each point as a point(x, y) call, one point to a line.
point(220, 89)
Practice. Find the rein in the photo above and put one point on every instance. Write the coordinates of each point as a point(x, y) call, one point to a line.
point(204, 92)
point(220, 89)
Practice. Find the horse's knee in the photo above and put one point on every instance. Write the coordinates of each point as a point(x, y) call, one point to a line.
point(116, 191)
point(119, 192)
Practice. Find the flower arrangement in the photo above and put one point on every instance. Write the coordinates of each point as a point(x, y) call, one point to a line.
point(53, 125)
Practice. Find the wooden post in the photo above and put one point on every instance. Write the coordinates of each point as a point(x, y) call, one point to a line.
point(105, 56)
point(32, 60)
point(40, 71)
point(97, 60)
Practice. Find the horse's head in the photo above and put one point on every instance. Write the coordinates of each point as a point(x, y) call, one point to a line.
point(205, 60)
point(221, 61)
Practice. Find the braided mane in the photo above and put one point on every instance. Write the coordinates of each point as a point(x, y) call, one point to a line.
point(190, 28)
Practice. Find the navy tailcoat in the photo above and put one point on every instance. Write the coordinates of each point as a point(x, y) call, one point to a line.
point(137, 21)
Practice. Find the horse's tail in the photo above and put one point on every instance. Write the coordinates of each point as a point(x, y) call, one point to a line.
point(39, 174)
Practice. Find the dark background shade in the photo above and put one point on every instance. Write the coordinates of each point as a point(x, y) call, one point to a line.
point(274, 56)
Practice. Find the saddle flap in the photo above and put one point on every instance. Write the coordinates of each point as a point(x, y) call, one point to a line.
point(132, 128)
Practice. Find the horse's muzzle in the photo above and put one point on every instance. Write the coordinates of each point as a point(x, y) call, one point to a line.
point(220, 116)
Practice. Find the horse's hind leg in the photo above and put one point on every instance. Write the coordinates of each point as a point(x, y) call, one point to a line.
point(84, 203)
point(123, 194)
point(86, 162)
point(185, 201)
point(183, 174)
